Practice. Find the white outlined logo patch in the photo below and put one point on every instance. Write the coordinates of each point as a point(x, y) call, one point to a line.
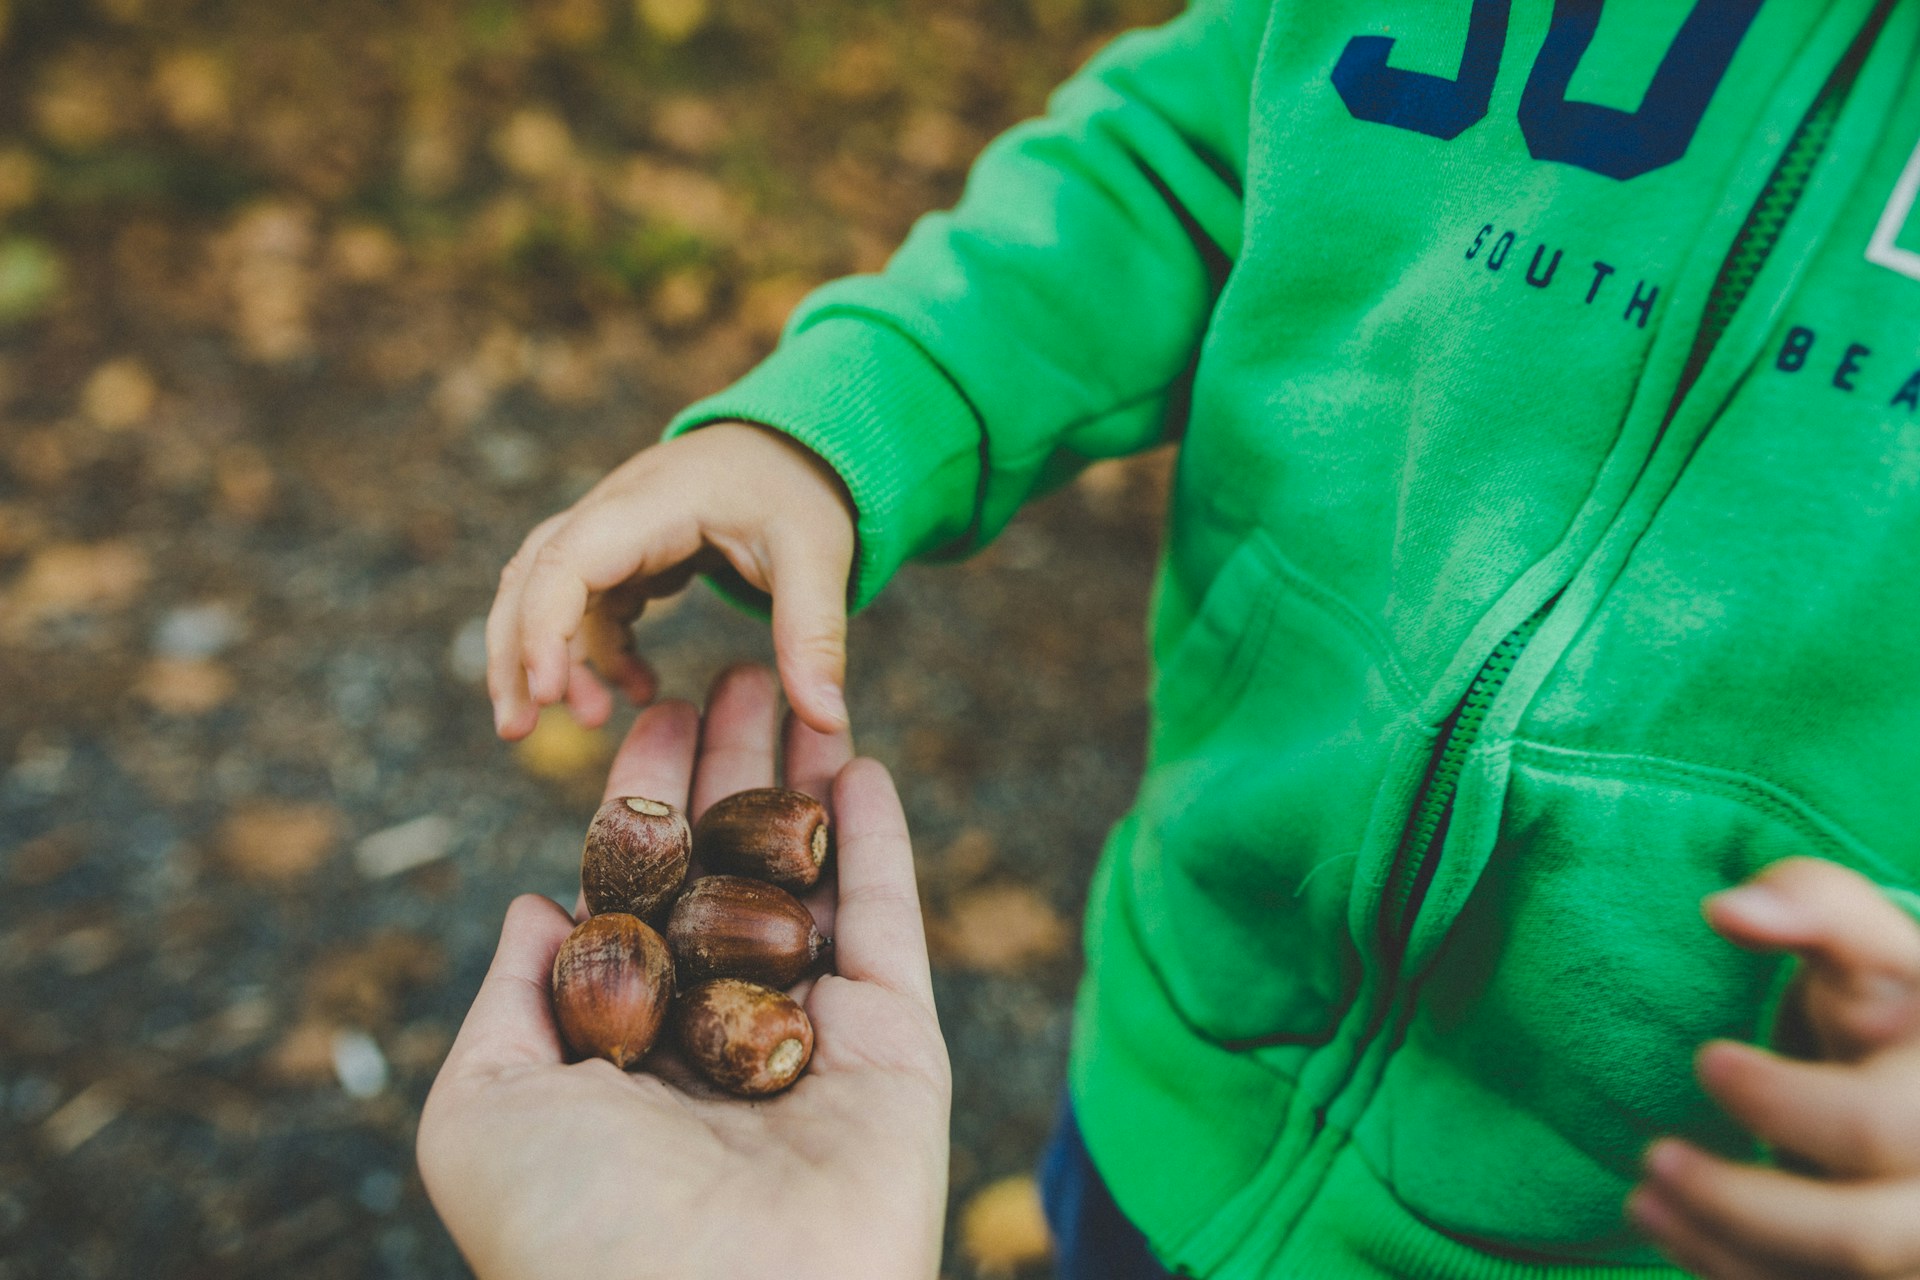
point(1884, 249)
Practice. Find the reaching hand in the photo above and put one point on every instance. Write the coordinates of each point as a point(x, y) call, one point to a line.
point(728, 494)
point(1851, 1117)
point(542, 1168)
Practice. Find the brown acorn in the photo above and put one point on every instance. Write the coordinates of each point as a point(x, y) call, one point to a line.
point(733, 927)
point(748, 1039)
point(769, 834)
point(636, 856)
point(612, 982)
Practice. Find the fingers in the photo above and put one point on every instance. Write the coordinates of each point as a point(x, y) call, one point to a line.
point(878, 935)
point(595, 547)
point(810, 627)
point(587, 697)
point(656, 759)
point(1850, 1120)
point(1862, 984)
point(737, 746)
point(514, 710)
point(1688, 1245)
point(1798, 1225)
point(511, 1023)
point(813, 758)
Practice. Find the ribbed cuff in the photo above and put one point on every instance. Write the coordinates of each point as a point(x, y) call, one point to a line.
point(885, 417)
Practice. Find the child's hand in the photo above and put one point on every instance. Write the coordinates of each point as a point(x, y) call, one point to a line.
point(1852, 1118)
point(773, 510)
point(541, 1168)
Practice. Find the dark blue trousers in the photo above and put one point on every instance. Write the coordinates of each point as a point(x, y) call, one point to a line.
point(1092, 1239)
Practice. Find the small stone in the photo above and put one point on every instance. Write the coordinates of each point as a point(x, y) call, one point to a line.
point(198, 631)
point(379, 1191)
point(404, 847)
point(1002, 1227)
point(358, 1064)
point(80, 1118)
point(467, 655)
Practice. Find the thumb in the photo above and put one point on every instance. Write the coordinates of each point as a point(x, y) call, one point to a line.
point(1860, 989)
point(511, 1021)
point(809, 587)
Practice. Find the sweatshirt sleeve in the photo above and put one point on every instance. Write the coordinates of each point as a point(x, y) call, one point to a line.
point(1053, 315)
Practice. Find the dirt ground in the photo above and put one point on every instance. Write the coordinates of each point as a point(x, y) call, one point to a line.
point(307, 313)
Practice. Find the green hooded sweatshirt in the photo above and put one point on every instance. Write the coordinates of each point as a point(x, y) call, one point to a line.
point(1544, 555)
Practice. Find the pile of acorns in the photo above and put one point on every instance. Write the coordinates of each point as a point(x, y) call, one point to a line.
point(734, 940)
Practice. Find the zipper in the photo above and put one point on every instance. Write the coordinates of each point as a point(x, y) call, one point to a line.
point(1414, 861)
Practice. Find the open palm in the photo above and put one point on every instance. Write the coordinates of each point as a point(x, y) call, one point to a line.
point(544, 1168)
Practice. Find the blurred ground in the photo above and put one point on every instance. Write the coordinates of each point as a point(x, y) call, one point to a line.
point(307, 313)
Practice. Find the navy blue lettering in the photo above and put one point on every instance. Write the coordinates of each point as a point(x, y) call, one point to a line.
point(1850, 365)
point(1478, 240)
point(1497, 257)
point(1793, 351)
point(1533, 277)
point(1643, 300)
point(1908, 395)
point(1433, 105)
point(1600, 273)
point(1625, 144)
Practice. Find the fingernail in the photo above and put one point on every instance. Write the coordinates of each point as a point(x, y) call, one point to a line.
point(1665, 1159)
point(1648, 1212)
point(1759, 906)
point(833, 701)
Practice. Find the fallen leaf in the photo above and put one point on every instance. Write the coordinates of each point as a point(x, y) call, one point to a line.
point(20, 527)
point(560, 750)
point(184, 686)
point(360, 984)
point(534, 143)
point(365, 252)
point(191, 86)
point(671, 20)
point(119, 394)
point(244, 483)
point(768, 303)
point(76, 577)
point(998, 929)
point(692, 125)
point(19, 179)
point(1002, 1226)
point(678, 196)
point(304, 1055)
point(277, 842)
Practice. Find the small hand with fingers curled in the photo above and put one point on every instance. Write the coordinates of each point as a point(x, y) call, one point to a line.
point(728, 496)
point(540, 1167)
point(1845, 1121)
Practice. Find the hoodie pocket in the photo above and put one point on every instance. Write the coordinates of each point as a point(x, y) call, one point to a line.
point(1271, 730)
point(1556, 1028)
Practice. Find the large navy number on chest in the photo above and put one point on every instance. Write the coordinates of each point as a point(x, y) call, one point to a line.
point(1608, 141)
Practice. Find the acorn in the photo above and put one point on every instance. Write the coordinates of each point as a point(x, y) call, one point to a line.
point(748, 1039)
point(769, 834)
point(612, 982)
point(733, 927)
point(636, 856)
